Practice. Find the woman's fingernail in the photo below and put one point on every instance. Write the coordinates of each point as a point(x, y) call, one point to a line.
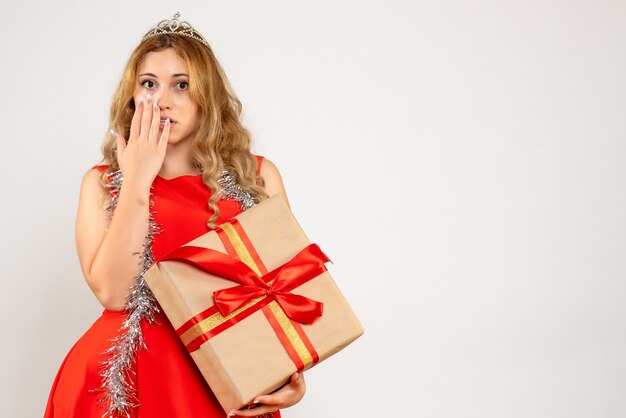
point(148, 97)
point(167, 121)
point(155, 105)
point(113, 132)
point(140, 102)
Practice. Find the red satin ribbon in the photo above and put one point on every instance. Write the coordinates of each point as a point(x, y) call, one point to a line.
point(306, 265)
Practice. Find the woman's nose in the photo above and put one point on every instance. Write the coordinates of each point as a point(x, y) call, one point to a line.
point(162, 99)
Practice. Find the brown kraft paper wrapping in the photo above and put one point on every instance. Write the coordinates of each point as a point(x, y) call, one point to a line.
point(248, 359)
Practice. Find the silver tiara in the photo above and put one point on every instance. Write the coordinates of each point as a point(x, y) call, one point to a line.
point(176, 26)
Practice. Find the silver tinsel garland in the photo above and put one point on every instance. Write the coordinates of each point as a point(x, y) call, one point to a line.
point(117, 372)
point(231, 190)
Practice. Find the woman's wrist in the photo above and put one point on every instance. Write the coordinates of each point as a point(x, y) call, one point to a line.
point(135, 191)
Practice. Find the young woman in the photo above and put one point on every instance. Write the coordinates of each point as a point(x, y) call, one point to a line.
point(177, 163)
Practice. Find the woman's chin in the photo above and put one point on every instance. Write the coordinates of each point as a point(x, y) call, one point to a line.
point(176, 140)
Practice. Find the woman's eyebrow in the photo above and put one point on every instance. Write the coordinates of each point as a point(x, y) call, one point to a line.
point(174, 75)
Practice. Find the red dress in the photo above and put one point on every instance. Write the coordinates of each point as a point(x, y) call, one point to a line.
point(168, 382)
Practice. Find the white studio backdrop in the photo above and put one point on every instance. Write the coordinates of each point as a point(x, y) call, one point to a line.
point(462, 163)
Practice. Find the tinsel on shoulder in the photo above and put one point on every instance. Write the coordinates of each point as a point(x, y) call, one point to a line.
point(118, 374)
point(231, 190)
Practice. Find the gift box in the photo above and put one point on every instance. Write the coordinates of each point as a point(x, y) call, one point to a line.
point(253, 303)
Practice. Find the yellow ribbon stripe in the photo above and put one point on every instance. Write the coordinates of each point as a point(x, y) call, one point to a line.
point(213, 321)
point(240, 247)
point(291, 333)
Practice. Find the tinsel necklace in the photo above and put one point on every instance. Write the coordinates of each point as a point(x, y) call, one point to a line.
point(118, 387)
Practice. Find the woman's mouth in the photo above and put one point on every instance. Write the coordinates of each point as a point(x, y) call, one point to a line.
point(162, 123)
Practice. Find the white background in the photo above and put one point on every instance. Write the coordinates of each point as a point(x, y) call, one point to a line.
point(462, 163)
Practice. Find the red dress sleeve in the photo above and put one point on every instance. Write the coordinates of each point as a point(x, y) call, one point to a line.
point(259, 160)
point(100, 167)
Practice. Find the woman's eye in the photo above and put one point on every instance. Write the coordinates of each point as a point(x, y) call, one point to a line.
point(183, 85)
point(148, 84)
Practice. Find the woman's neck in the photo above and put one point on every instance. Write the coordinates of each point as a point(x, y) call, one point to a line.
point(178, 161)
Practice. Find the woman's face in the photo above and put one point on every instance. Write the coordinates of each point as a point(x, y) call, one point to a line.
point(164, 76)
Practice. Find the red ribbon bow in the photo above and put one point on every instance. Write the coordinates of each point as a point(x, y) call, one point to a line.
point(277, 284)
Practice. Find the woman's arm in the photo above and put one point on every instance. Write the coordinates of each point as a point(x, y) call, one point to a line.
point(110, 254)
point(110, 258)
point(273, 180)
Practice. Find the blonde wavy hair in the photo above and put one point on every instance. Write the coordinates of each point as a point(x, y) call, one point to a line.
point(220, 142)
